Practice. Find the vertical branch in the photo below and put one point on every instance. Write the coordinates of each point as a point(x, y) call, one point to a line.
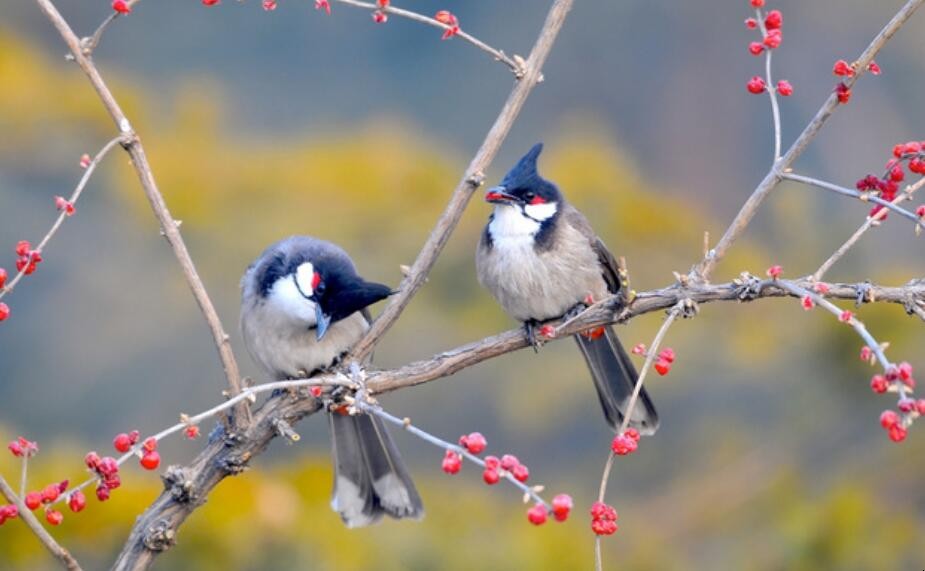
point(169, 226)
point(470, 182)
point(63, 555)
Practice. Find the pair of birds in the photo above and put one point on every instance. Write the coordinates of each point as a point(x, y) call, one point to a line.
point(304, 306)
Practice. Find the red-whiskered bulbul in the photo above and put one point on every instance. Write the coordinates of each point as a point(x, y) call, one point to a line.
point(539, 258)
point(303, 306)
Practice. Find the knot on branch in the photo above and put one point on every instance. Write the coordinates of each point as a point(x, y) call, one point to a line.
point(234, 464)
point(686, 308)
point(748, 287)
point(160, 536)
point(179, 482)
point(865, 293)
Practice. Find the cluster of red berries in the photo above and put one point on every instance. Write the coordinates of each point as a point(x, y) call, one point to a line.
point(603, 519)
point(770, 26)
point(626, 442)
point(496, 468)
point(663, 361)
point(896, 377)
point(911, 155)
point(449, 19)
point(23, 448)
point(107, 468)
point(844, 69)
point(28, 258)
point(49, 495)
point(150, 458)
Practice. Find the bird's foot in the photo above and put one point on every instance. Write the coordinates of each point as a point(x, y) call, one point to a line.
point(530, 332)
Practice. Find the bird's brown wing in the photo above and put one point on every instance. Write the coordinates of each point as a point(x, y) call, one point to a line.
point(610, 270)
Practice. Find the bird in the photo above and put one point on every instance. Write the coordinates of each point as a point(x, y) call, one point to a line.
point(303, 306)
point(540, 259)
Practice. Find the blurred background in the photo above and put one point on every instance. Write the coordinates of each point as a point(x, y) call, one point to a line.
point(260, 125)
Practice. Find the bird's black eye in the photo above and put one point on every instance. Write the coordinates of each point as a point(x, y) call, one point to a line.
point(319, 289)
point(529, 195)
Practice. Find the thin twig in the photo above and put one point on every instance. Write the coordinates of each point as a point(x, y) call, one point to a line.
point(705, 268)
point(772, 90)
point(673, 314)
point(471, 180)
point(498, 55)
point(867, 225)
point(63, 214)
point(169, 226)
point(24, 476)
point(62, 554)
point(862, 196)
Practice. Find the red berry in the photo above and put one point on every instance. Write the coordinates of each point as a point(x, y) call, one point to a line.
point(452, 462)
point(521, 473)
point(446, 17)
point(192, 431)
point(906, 405)
point(821, 288)
point(845, 316)
point(879, 384)
point(102, 492)
point(638, 349)
point(603, 527)
point(492, 463)
point(751, 23)
point(315, 391)
point(84, 160)
point(866, 353)
point(548, 331)
point(808, 303)
point(874, 68)
point(757, 3)
point(380, 17)
point(905, 371)
point(112, 482)
point(151, 460)
point(755, 85)
point(3, 276)
point(209, 2)
point(842, 69)
point(784, 88)
point(107, 466)
point(383, 3)
point(491, 476)
point(602, 511)
point(77, 502)
point(667, 354)
point(843, 93)
point(623, 445)
point(889, 419)
point(920, 211)
point(509, 461)
point(474, 442)
point(897, 174)
point(756, 48)
point(920, 406)
point(774, 272)
point(912, 147)
point(33, 500)
point(662, 367)
point(632, 433)
point(897, 433)
point(15, 449)
point(774, 20)
point(122, 443)
point(92, 460)
point(537, 514)
point(774, 39)
point(121, 6)
point(269, 5)
point(66, 206)
point(323, 5)
point(54, 517)
point(562, 506)
point(50, 493)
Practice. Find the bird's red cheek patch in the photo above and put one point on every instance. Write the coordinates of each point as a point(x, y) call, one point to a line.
point(316, 279)
point(537, 200)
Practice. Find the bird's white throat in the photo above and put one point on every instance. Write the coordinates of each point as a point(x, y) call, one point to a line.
point(510, 221)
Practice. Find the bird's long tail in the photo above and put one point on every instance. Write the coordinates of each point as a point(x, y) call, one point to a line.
point(370, 479)
point(615, 379)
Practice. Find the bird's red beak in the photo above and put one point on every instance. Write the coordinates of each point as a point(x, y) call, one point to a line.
point(497, 195)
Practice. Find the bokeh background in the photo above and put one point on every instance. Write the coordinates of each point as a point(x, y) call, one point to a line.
point(261, 125)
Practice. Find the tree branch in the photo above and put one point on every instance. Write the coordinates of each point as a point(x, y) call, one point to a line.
point(62, 554)
point(862, 196)
point(703, 270)
point(169, 226)
point(471, 180)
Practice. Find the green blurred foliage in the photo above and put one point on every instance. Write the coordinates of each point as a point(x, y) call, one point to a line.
point(726, 490)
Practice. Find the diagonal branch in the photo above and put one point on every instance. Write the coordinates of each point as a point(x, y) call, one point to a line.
point(774, 175)
point(471, 180)
point(169, 226)
point(863, 196)
point(62, 554)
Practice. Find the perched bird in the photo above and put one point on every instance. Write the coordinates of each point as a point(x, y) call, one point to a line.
point(540, 259)
point(303, 306)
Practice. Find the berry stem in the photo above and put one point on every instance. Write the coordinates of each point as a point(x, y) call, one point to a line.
point(772, 92)
point(63, 214)
point(23, 477)
point(856, 194)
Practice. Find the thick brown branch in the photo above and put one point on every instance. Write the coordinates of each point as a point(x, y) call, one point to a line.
point(63, 555)
point(471, 180)
point(169, 226)
point(771, 180)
